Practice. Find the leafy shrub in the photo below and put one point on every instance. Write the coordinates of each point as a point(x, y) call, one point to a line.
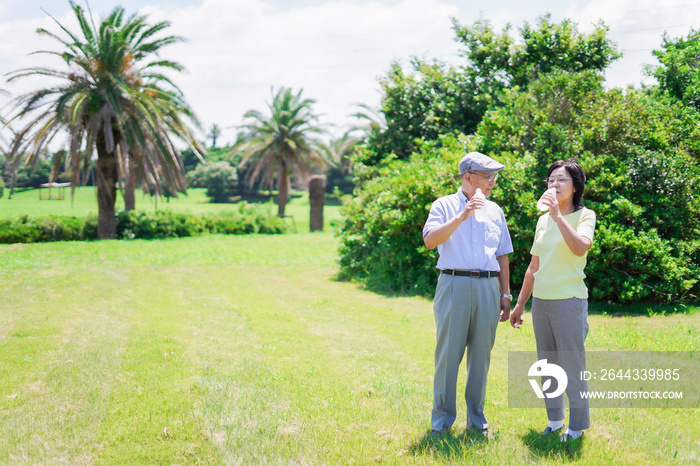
point(136, 224)
point(41, 229)
point(219, 178)
point(642, 162)
point(381, 235)
point(642, 159)
point(245, 219)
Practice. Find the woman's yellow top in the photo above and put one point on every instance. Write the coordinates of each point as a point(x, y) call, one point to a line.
point(560, 275)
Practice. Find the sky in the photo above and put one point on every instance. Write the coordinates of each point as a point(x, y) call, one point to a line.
point(238, 51)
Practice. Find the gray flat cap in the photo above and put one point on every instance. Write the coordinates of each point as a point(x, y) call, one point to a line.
point(476, 161)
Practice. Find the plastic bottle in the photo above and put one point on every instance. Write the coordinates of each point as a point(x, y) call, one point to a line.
point(478, 195)
point(540, 204)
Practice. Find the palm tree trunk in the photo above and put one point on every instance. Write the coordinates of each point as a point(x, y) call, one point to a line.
point(107, 175)
point(13, 177)
point(284, 190)
point(129, 184)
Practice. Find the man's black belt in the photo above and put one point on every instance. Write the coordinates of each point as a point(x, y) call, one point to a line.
point(471, 273)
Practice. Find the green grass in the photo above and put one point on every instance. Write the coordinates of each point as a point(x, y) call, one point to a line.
point(241, 350)
point(84, 202)
point(246, 350)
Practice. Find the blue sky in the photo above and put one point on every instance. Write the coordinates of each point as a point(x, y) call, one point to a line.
point(335, 50)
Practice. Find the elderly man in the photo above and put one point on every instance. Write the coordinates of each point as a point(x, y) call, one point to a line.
point(473, 289)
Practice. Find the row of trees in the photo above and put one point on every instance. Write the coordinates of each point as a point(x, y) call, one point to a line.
point(114, 99)
point(224, 174)
point(527, 103)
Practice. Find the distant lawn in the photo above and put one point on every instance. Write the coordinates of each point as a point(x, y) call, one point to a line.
point(245, 350)
point(195, 202)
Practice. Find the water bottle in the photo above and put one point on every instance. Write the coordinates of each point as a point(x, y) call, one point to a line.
point(479, 195)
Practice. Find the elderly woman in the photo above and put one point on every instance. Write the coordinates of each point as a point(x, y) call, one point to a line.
point(560, 298)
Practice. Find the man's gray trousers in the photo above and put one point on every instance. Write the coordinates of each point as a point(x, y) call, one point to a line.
point(466, 316)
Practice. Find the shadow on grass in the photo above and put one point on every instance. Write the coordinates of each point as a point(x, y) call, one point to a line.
point(549, 446)
point(450, 445)
point(342, 277)
point(643, 309)
point(264, 198)
point(378, 287)
point(261, 197)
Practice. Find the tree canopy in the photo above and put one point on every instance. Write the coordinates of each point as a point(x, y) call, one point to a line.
point(433, 99)
point(498, 60)
point(677, 72)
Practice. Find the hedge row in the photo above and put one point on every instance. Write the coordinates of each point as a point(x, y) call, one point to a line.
point(245, 219)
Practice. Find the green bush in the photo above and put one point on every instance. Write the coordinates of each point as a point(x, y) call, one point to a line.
point(642, 159)
point(338, 178)
point(219, 178)
point(245, 219)
point(41, 229)
point(642, 162)
point(136, 224)
point(381, 241)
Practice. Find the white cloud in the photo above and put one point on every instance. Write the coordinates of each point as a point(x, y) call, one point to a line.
point(637, 26)
point(237, 51)
point(335, 51)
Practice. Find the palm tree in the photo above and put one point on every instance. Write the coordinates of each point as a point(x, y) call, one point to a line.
point(214, 134)
point(282, 143)
point(111, 99)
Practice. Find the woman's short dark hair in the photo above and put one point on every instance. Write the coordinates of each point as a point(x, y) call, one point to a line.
point(577, 176)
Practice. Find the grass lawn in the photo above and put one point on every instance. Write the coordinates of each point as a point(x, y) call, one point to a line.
point(246, 350)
